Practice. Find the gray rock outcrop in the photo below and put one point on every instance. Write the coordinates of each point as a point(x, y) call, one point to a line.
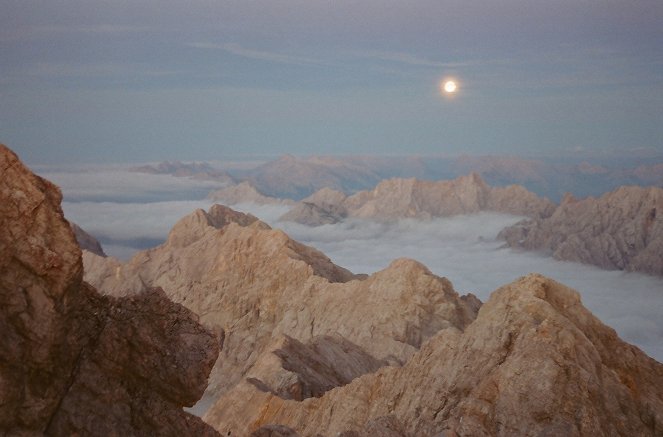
point(534, 362)
point(620, 230)
point(254, 284)
point(412, 198)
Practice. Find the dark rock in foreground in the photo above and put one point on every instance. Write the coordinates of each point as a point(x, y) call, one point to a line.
point(74, 362)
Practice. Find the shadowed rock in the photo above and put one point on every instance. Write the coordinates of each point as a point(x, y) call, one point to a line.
point(74, 362)
point(87, 241)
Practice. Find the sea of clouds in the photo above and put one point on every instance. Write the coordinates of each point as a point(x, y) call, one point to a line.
point(132, 211)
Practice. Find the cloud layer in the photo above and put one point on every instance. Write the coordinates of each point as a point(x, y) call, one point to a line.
point(462, 248)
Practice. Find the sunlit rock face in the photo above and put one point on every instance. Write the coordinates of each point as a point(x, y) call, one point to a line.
point(74, 362)
point(534, 362)
point(621, 230)
point(254, 284)
point(412, 198)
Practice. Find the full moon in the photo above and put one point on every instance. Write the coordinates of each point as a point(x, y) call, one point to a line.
point(450, 86)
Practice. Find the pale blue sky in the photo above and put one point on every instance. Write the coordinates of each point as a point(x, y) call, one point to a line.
point(150, 80)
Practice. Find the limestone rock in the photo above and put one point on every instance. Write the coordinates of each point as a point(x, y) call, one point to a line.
point(534, 362)
point(622, 230)
point(73, 362)
point(146, 358)
point(294, 370)
point(254, 284)
point(87, 241)
point(412, 198)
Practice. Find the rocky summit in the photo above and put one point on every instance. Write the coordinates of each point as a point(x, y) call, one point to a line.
point(72, 361)
point(413, 198)
point(308, 348)
point(254, 285)
point(620, 230)
point(534, 362)
point(311, 349)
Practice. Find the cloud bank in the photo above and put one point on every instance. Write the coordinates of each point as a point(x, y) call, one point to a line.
point(120, 185)
point(462, 248)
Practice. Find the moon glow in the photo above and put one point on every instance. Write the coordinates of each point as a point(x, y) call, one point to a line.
point(449, 87)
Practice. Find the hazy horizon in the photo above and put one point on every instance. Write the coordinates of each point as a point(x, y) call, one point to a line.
point(92, 81)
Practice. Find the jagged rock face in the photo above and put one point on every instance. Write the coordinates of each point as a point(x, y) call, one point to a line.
point(40, 267)
point(254, 284)
point(245, 192)
point(534, 362)
point(620, 230)
point(144, 359)
point(87, 241)
point(294, 370)
point(412, 198)
point(72, 361)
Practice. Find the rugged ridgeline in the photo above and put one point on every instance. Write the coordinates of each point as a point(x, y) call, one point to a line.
point(622, 229)
point(258, 288)
point(403, 198)
point(311, 349)
point(535, 362)
point(298, 177)
point(74, 362)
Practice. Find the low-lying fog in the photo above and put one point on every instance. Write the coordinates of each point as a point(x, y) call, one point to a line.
point(131, 211)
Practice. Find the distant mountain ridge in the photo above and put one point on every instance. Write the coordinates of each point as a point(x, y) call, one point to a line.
point(621, 230)
point(412, 198)
point(195, 170)
point(298, 177)
point(295, 178)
